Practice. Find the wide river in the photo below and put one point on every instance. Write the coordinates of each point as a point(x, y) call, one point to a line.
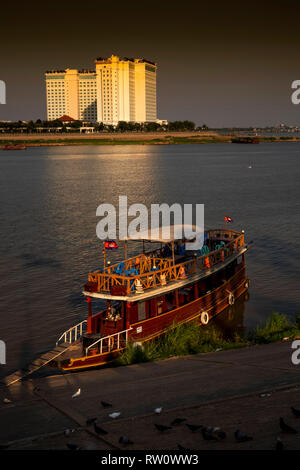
point(49, 197)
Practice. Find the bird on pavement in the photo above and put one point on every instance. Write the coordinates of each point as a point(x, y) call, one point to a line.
point(90, 421)
point(76, 394)
point(180, 447)
point(194, 427)
point(105, 404)
point(6, 401)
point(279, 444)
point(241, 436)
point(72, 446)
point(295, 412)
point(286, 428)
point(125, 440)
point(161, 427)
point(208, 435)
point(218, 432)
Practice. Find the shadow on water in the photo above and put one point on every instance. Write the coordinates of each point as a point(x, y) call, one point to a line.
point(32, 261)
point(231, 320)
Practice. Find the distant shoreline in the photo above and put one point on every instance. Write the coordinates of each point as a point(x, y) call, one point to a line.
point(129, 138)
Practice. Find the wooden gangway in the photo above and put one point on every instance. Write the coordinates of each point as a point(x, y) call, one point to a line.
point(41, 361)
point(64, 343)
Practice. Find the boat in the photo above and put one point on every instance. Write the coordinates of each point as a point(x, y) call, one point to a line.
point(244, 140)
point(148, 294)
point(14, 147)
point(154, 291)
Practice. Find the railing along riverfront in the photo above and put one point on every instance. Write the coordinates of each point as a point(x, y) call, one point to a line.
point(142, 266)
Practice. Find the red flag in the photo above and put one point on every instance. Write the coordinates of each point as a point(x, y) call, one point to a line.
point(228, 219)
point(110, 245)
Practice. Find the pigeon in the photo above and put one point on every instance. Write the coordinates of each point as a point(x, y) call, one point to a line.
point(161, 427)
point(90, 421)
point(114, 415)
point(279, 444)
point(180, 447)
point(208, 435)
point(177, 421)
point(76, 394)
point(158, 410)
point(241, 436)
point(194, 427)
point(125, 440)
point(295, 412)
point(6, 400)
point(71, 446)
point(217, 432)
point(286, 428)
point(105, 404)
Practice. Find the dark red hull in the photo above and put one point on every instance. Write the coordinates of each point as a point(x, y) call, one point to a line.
point(213, 303)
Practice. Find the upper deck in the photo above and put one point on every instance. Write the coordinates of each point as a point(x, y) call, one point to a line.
point(155, 273)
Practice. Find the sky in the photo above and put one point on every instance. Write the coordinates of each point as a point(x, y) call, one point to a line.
point(223, 64)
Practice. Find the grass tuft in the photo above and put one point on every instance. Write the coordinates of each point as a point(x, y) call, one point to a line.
point(190, 338)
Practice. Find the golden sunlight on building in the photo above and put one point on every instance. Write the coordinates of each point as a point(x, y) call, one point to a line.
point(118, 90)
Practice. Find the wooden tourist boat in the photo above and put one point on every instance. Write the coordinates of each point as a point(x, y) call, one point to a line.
point(148, 294)
point(14, 147)
point(154, 291)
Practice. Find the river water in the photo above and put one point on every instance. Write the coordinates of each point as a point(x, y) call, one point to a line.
point(48, 202)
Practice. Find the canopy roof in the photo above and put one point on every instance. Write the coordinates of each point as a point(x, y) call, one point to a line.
point(168, 233)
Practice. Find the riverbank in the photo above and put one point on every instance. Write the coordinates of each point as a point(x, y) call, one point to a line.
point(246, 389)
point(189, 338)
point(128, 138)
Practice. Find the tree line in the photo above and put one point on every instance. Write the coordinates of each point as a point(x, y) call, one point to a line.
point(122, 126)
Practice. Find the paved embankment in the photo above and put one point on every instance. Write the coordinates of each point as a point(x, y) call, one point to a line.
point(217, 389)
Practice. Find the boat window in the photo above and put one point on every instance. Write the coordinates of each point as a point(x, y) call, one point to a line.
point(141, 311)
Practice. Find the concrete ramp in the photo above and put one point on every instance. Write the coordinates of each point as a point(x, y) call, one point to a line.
point(41, 361)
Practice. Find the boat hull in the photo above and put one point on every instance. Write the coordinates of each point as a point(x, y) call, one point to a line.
point(213, 303)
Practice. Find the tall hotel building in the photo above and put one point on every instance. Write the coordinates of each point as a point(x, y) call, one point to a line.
point(117, 90)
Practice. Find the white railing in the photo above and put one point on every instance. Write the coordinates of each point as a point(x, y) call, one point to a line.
point(113, 341)
point(72, 334)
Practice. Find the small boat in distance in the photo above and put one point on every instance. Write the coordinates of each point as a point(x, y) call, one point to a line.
point(150, 293)
point(244, 140)
point(14, 147)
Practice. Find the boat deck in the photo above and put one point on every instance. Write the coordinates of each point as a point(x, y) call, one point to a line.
point(149, 275)
point(176, 284)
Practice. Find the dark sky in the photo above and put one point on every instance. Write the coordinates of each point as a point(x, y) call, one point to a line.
point(223, 64)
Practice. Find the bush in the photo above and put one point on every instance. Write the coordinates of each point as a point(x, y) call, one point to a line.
point(276, 328)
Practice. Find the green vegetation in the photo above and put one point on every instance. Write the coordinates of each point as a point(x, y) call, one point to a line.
point(115, 141)
point(190, 338)
point(276, 328)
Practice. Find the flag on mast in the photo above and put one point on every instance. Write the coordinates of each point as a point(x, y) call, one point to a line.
point(228, 219)
point(110, 245)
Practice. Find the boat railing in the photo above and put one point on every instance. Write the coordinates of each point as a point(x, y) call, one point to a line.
point(108, 343)
point(165, 271)
point(72, 334)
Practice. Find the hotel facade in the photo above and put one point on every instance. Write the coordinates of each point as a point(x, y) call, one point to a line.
point(117, 90)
